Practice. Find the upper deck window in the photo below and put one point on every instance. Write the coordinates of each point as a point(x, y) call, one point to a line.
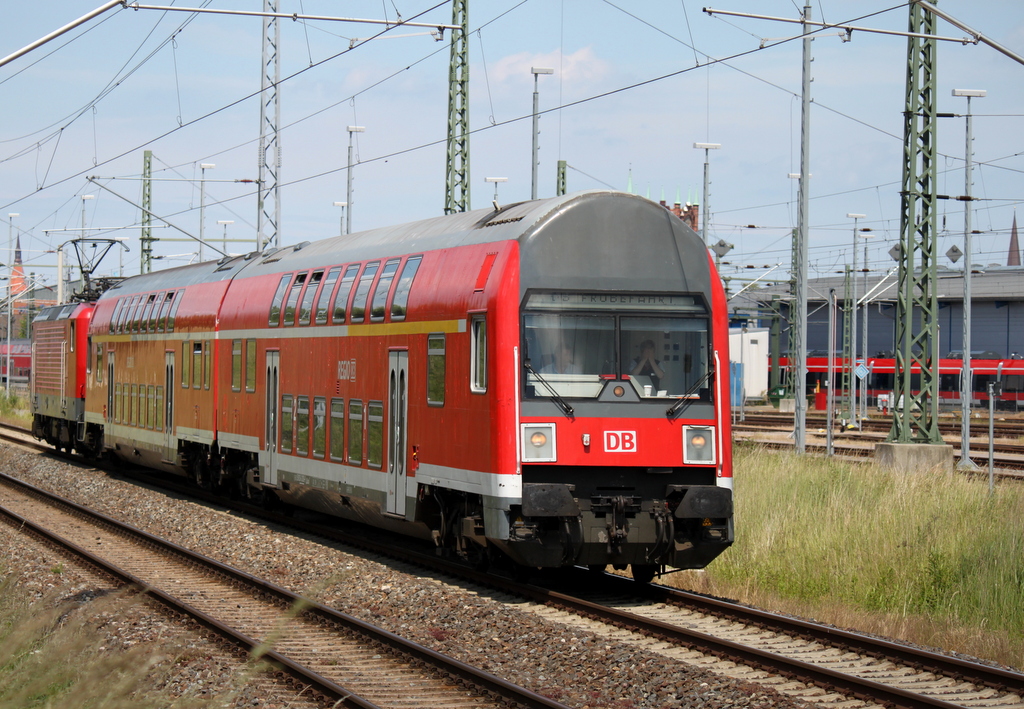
point(380, 293)
point(576, 343)
point(340, 302)
point(361, 299)
point(321, 307)
point(293, 299)
point(400, 302)
point(306, 309)
point(275, 305)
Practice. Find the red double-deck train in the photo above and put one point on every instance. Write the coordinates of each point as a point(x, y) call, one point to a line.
point(546, 381)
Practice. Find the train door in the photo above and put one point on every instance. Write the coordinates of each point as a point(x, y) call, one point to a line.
point(169, 387)
point(273, 412)
point(110, 386)
point(398, 387)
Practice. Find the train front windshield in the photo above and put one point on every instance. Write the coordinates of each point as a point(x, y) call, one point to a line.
point(575, 342)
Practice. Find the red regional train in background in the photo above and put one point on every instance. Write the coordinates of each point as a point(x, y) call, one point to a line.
point(986, 368)
point(547, 381)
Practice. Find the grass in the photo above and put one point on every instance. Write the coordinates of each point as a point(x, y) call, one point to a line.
point(52, 655)
point(14, 409)
point(927, 557)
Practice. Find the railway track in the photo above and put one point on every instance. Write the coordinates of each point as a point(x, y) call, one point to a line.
point(818, 663)
point(1006, 456)
point(344, 661)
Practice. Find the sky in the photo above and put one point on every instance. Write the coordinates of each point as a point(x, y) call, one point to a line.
point(634, 86)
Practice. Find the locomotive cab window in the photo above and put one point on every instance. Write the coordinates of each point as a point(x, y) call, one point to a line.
point(576, 345)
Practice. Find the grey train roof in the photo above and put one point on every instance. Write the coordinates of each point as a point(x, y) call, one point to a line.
point(583, 240)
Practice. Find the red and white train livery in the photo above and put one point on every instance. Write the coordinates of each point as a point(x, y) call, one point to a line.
point(547, 381)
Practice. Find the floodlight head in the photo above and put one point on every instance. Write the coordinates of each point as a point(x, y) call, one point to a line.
point(541, 70)
point(12, 215)
point(341, 204)
point(356, 129)
point(970, 93)
point(88, 196)
point(708, 146)
point(207, 165)
point(225, 221)
point(856, 216)
point(495, 179)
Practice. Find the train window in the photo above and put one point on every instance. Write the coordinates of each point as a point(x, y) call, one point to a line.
point(286, 423)
point(99, 363)
point(275, 305)
point(179, 296)
point(435, 369)
point(361, 299)
point(117, 403)
point(197, 364)
point(340, 303)
point(158, 423)
point(207, 363)
point(306, 308)
point(337, 429)
point(400, 302)
point(165, 307)
point(293, 299)
point(670, 354)
point(136, 319)
point(115, 315)
point(236, 365)
point(321, 306)
point(126, 312)
point(319, 426)
point(478, 355)
point(151, 421)
point(146, 312)
point(383, 289)
point(154, 317)
point(375, 434)
point(250, 366)
point(355, 432)
point(186, 357)
point(129, 324)
point(133, 405)
point(302, 425)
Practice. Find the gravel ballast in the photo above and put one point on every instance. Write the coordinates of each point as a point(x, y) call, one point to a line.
point(573, 666)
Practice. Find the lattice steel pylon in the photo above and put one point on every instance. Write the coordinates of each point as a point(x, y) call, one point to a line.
point(915, 414)
point(268, 207)
point(456, 197)
point(146, 237)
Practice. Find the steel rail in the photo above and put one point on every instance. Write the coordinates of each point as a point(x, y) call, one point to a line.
point(443, 663)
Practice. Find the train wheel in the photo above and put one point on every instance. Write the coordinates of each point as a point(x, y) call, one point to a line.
point(643, 573)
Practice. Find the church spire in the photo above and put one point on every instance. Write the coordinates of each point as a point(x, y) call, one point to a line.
point(1013, 257)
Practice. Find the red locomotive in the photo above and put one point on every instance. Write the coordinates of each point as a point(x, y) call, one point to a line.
point(546, 381)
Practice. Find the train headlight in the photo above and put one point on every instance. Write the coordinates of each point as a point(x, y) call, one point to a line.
point(699, 444)
point(538, 442)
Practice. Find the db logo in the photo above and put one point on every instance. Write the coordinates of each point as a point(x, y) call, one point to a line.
point(620, 441)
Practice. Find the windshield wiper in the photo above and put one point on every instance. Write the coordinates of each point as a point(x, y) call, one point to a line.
point(562, 403)
point(684, 401)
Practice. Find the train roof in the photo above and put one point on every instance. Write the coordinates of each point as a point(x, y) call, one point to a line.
point(602, 222)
